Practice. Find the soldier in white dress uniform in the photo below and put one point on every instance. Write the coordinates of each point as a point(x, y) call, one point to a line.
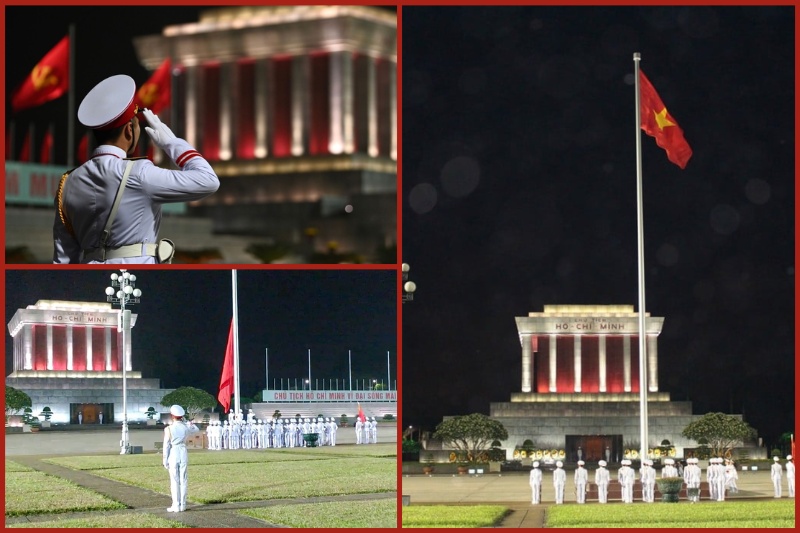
point(581, 481)
point(602, 478)
point(86, 194)
point(535, 481)
point(176, 458)
point(559, 480)
point(776, 475)
point(647, 475)
point(790, 475)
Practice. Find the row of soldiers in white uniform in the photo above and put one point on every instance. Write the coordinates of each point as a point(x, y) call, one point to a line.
point(276, 433)
point(719, 477)
point(367, 430)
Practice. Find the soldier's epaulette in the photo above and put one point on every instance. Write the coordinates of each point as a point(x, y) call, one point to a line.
point(135, 158)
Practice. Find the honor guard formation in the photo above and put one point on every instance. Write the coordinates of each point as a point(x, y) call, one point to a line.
point(108, 210)
point(721, 476)
point(240, 433)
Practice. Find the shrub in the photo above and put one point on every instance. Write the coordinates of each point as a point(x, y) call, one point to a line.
point(388, 416)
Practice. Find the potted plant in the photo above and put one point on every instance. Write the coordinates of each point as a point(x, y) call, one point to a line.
point(151, 413)
point(47, 413)
point(670, 488)
point(343, 422)
point(26, 419)
point(36, 424)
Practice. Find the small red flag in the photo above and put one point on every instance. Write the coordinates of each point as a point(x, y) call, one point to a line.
point(226, 381)
point(361, 414)
point(48, 80)
point(155, 93)
point(45, 152)
point(658, 123)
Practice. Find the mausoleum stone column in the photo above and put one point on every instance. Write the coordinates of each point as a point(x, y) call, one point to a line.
point(577, 363)
point(526, 363)
point(601, 363)
point(626, 362)
point(553, 366)
point(652, 362)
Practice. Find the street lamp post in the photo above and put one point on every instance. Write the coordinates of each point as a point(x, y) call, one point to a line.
point(408, 286)
point(122, 292)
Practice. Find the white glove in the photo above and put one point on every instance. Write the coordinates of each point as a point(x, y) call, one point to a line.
point(157, 130)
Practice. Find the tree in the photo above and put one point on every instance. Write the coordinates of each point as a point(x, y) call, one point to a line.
point(721, 432)
point(191, 399)
point(470, 434)
point(16, 401)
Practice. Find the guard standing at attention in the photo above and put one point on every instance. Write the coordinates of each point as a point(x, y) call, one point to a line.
point(108, 210)
point(602, 478)
point(176, 458)
point(535, 481)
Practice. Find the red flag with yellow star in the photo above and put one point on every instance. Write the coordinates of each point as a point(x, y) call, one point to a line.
point(155, 93)
point(48, 80)
point(659, 124)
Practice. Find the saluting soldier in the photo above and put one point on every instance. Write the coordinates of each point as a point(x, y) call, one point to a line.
point(176, 458)
point(108, 210)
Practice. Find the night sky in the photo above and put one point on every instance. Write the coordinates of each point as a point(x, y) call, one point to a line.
point(519, 190)
point(184, 316)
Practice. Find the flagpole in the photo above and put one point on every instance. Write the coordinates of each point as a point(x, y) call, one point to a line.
point(235, 346)
point(642, 309)
point(71, 100)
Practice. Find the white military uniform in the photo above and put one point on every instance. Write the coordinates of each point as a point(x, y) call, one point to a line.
point(626, 477)
point(602, 478)
point(86, 195)
point(559, 480)
point(176, 458)
point(648, 479)
point(581, 480)
point(692, 476)
point(776, 474)
point(535, 481)
point(790, 475)
point(359, 427)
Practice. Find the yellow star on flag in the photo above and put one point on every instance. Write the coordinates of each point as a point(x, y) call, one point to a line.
point(661, 119)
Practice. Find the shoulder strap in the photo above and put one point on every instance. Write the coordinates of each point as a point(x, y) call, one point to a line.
point(62, 213)
point(117, 200)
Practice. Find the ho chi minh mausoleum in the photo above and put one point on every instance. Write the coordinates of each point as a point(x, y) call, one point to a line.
point(68, 356)
point(580, 384)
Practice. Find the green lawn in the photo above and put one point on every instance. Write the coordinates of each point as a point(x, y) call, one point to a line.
point(238, 475)
point(434, 516)
point(731, 514)
point(30, 492)
point(741, 514)
point(224, 476)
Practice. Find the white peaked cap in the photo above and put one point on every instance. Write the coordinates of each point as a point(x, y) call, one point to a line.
point(176, 410)
point(559, 464)
point(788, 457)
point(536, 464)
point(602, 463)
point(581, 463)
point(109, 104)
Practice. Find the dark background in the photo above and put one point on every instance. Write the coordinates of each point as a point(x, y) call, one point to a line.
point(519, 190)
point(184, 317)
point(103, 47)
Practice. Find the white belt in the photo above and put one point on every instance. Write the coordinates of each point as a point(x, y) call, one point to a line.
point(123, 252)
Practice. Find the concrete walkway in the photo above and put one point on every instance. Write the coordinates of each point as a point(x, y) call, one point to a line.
point(511, 490)
point(31, 450)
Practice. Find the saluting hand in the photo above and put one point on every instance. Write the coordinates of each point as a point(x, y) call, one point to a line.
point(157, 130)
